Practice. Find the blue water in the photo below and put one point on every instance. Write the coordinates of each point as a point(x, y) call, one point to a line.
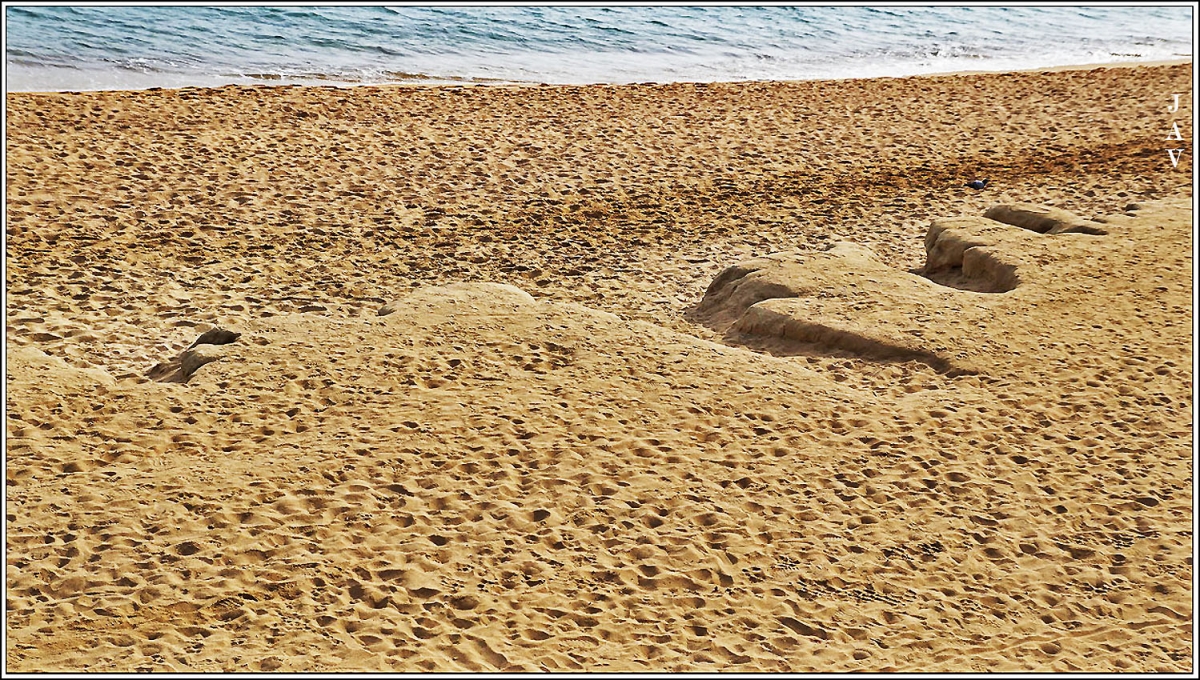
point(95, 48)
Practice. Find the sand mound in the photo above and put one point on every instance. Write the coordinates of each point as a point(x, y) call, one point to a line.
point(482, 481)
point(420, 487)
point(842, 300)
point(845, 300)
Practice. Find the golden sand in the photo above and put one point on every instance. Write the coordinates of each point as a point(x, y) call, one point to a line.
point(727, 377)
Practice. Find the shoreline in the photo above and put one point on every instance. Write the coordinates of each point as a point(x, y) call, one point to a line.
point(435, 83)
point(1072, 67)
point(526, 379)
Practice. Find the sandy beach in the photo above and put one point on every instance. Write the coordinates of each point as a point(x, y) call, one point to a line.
point(730, 377)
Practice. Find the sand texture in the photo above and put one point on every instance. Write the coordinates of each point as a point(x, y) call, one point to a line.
point(729, 377)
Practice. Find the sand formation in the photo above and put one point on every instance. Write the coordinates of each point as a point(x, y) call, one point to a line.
point(846, 299)
point(196, 355)
point(474, 479)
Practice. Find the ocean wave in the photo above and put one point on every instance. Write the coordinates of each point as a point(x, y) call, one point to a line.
point(562, 44)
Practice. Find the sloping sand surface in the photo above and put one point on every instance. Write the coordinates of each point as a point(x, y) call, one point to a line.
point(596, 391)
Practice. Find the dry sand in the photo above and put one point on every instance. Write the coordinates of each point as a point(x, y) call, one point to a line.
point(553, 450)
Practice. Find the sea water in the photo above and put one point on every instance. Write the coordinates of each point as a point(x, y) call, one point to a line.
point(130, 47)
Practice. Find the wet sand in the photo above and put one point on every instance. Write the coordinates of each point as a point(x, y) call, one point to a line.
point(604, 378)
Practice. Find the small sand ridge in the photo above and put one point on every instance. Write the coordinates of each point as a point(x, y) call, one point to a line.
point(845, 300)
